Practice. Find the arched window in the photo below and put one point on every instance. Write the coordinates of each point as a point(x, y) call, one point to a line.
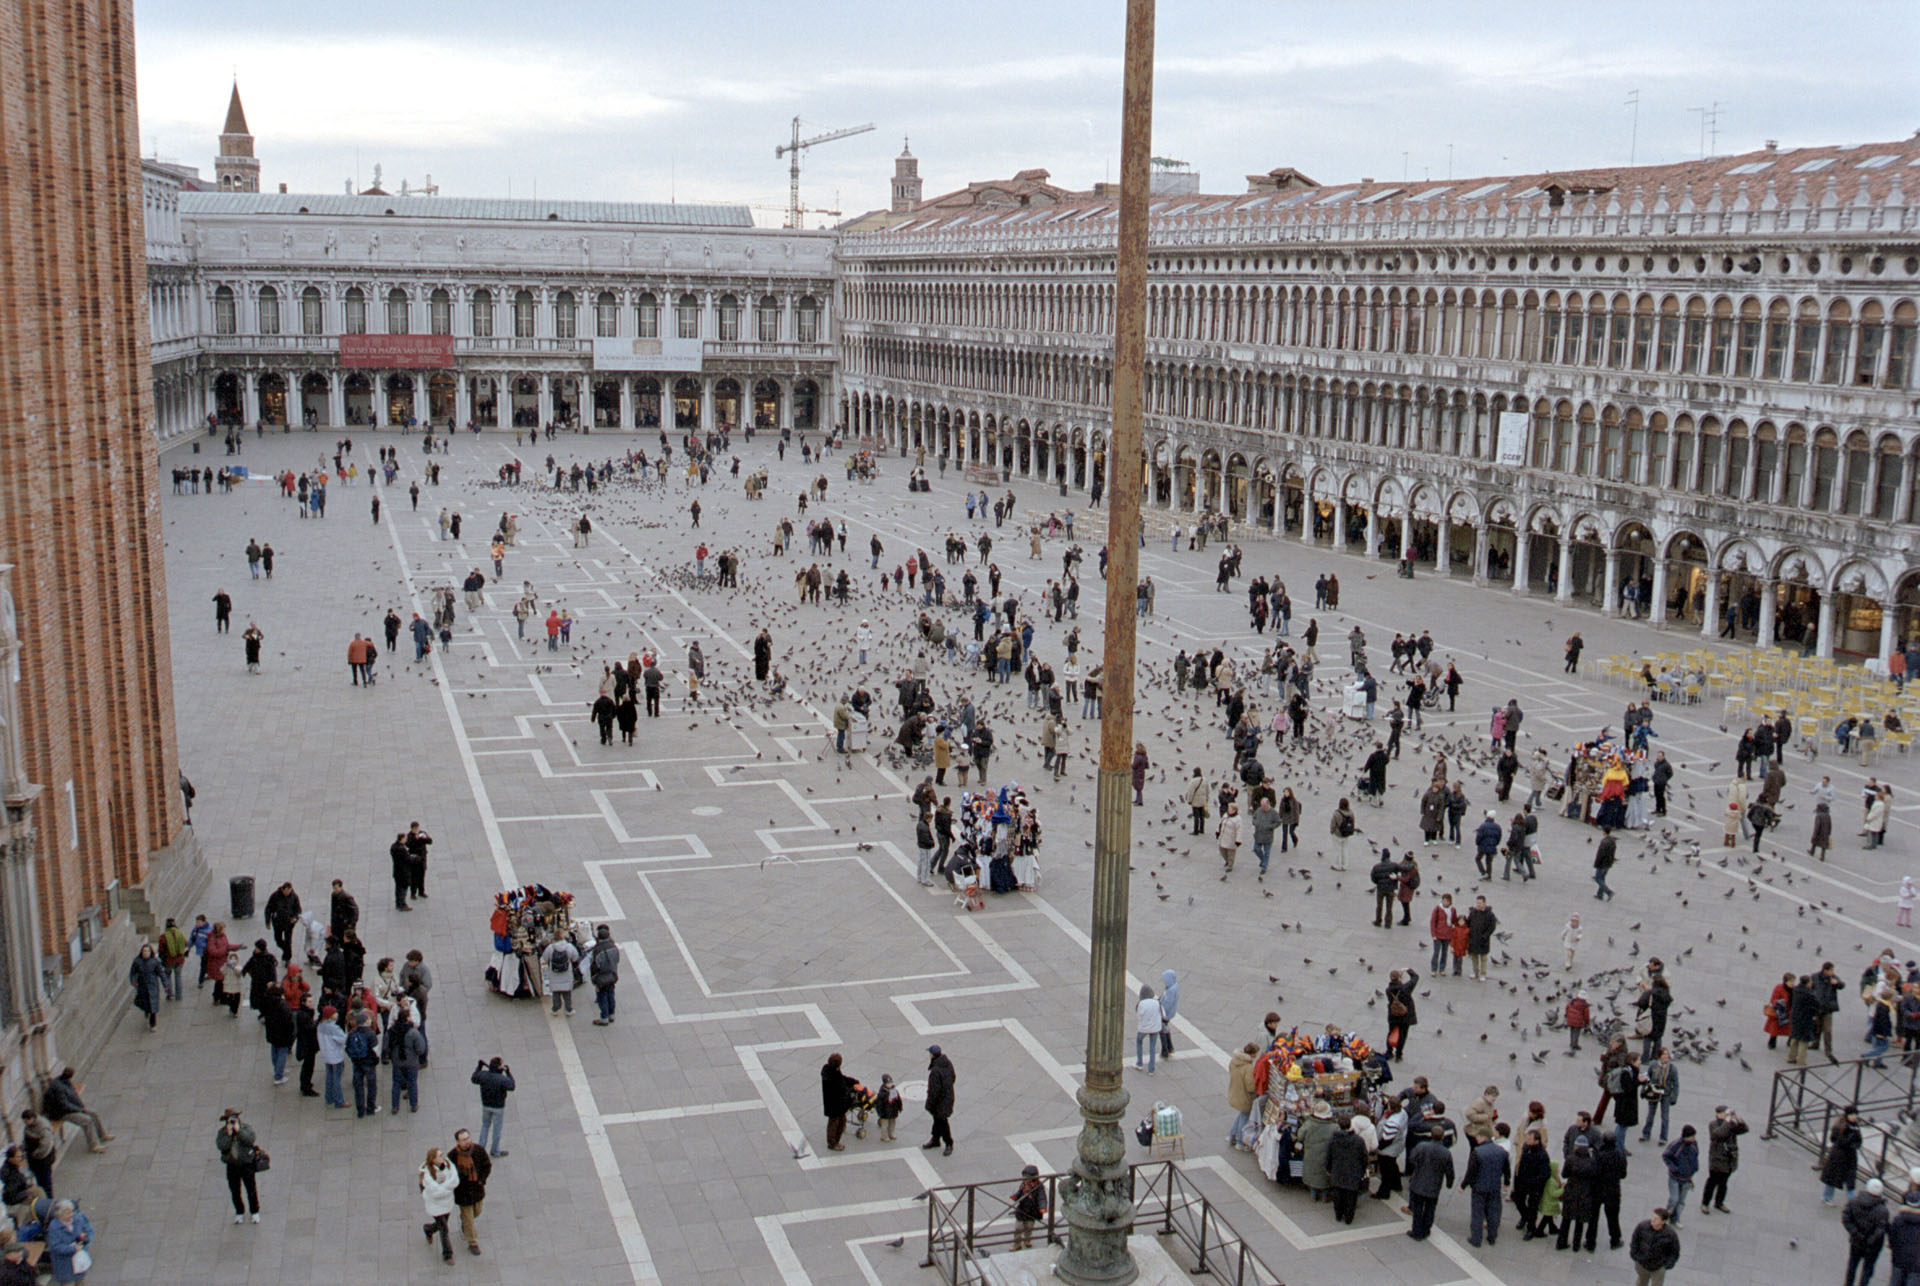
point(440, 313)
point(1833, 369)
point(1747, 355)
point(1658, 442)
point(1826, 470)
point(806, 319)
point(1779, 339)
point(483, 314)
point(1696, 336)
point(1683, 454)
point(563, 315)
point(1643, 327)
point(224, 320)
point(1793, 477)
point(1806, 342)
point(1563, 456)
point(269, 311)
point(523, 314)
point(729, 318)
point(606, 315)
point(1588, 439)
point(313, 312)
point(1669, 355)
point(1636, 448)
point(1576, 328)
point(1886, 491)
point(354, 312)
point(1622, 330)
point(396, 311)
point(647, 316)
point(1720, 340)
point(767, 320)
point(1710, 457)
point(1859, 463)
point(1736, 487)
point(1873, 338)
point(1900, 346)
point(687, 317)
point(1610, 436)
point(1551, 322)
point(1766, 463)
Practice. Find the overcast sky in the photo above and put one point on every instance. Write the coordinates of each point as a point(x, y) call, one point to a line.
point(637, 100)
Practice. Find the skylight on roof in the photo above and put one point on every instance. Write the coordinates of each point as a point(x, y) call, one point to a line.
point(1381, 195)
point(1182, 208)
point(1337, 197)
point(1483, 190)
point(1877, 162)
point(1257, 202)
point(1751, 167)
point(1817, 163)
point(1428, 195)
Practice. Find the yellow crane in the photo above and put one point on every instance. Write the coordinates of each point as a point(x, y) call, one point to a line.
point(793, 149)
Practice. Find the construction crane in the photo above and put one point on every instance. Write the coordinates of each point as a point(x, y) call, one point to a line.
point(804, 210)
point(794, 149)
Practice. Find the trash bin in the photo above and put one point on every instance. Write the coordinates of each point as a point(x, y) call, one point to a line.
point(240, 897)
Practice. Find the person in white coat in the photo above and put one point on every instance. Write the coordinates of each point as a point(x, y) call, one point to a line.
point(863, 639)
point(559, 960)
point(1150, 1020)
point(1227, 832)
point(1570, 939)
point(437, 1182)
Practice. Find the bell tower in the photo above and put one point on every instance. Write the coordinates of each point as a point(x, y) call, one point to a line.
point(236, 169)
point(906, 179)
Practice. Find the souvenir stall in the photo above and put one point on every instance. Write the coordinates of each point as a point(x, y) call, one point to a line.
point(1340, 1069)
point(1001, 830)
point(525, 923)
point(1606, 784)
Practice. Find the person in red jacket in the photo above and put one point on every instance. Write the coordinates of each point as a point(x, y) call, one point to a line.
point(1440, 929)
point(1579, 1017)
point(1779, 1007)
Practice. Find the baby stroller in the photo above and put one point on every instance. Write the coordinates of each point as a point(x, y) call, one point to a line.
point(1364, 789)
point(861, 1099)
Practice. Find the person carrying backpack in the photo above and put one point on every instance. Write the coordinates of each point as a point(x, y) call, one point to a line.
point(363, 1051)
point(603, 971)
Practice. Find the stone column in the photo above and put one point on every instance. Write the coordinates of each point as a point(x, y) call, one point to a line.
point(1610, 602)
point(1564, 594)
point(783, 407)
point(1710, 607)
point(1889, 635)
point(1657, 607)
point(1443, 546)
point(1339, 525)
point(336, 398)
point(1482, 546)
point(249, 398)
point(1825, 645)
point(706, 403)
point(379, 399)
point(545, 385)
point(626, 401)
point(1769, 606)
point(462, 400)
point(1522, 556)
point(1373, 530)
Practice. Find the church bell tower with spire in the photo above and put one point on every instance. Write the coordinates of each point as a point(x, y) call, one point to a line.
point(906, 180)
point(236, 169)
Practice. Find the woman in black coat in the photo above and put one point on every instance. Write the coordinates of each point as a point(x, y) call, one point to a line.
point(1532, 1168)
point(1346, 1172)
point(1843, 1156)
point(262, 972)
point(1400, 991)
point(1803, 1018)
point(1578, 1207)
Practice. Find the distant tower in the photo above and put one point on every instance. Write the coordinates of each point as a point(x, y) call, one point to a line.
point(236, 169)
point(906, 179)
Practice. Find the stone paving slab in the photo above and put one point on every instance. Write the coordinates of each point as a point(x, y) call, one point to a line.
point(662, 1148)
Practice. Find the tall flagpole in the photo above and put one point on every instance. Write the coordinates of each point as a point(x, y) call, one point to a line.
point(1099, 1210)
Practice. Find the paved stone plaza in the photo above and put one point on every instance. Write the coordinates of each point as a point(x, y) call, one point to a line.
point(662, 1148)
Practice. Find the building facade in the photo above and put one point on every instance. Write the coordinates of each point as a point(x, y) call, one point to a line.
point(88, 768)
point(1665, 391)
point(373, 310)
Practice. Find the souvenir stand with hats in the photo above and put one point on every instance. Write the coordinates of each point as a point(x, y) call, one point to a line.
point(1604, 780)
point(1335, 1076)
point(1001, 829)
point(525, 923)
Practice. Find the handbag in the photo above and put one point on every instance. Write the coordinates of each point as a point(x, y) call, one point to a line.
point(82, 1262)
point(1557, 790)
point(1396, 1009)
point(261, 1161)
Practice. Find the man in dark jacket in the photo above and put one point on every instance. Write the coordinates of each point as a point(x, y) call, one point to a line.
point(282, 913)
point(1865, 1219)
point(1655, 1248)
point(1489, 1170)
point(495, 1080)
point(473, 1165)
point(306, 1046)
point(402, 866)
point(1386, 883)
point(940, 1099)
point(1486, 842)
point(1723, 1157)
point(1609, 1171)
point(1903, 1241)
point(1429, 1173)
point(1826, 989)
point(1481, 923)
point(344, 911)
point(836, 1099)
point(1346, 1172)
point(1578, 1208)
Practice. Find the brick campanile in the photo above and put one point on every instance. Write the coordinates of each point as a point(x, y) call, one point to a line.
point(79, 506)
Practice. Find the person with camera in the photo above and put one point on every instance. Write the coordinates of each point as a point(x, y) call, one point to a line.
point(245, 1159)
point(495, 1080)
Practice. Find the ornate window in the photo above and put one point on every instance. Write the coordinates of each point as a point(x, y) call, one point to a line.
point(563, 315)
point(1833, 369)
point(224, 320)
point(1900, 347)
point(523, 314)
point(1826, 470)
point(1720, 342)
point(1747, 355)
point(606, 315)
point(647, 316)
point(440, 313)
point(483, 314)
point(1766, 463)
point(1886, 492)
point(1873, 339)
point(807, 322)
point(767, 320)
point(729, 318)
point(354, 312)
point(1859, 463)
point(313, 312)
point(397, 322)
point(1806, 342)
point(687, 317)
point(269, 311)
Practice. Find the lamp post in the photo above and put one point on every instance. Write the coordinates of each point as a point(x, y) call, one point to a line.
point(1098, 1204)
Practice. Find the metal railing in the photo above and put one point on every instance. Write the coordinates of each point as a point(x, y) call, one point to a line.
point(972, 1222)
point(1806, 1102)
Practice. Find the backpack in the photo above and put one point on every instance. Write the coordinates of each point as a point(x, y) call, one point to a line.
point(360, 1046)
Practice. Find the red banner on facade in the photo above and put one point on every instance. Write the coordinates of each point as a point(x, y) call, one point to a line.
point(397, 352)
